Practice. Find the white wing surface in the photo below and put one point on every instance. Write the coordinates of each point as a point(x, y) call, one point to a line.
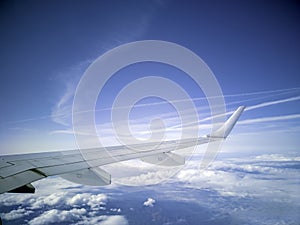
point(18, 171)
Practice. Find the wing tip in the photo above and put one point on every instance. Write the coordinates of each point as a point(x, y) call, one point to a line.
point(226, 128)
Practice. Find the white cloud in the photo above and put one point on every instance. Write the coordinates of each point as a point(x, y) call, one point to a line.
point(148, 176)
point(104, 220)
point(92, 200)
point(7, 199)
point(79, 199)
point(97, 200)
point(116, 210)
point(277, 157)
point(247, 177)
point(16, 214)
point(51, 200)
point(149, 202)
point(61, 206)
point(59, 198)
point(114, 220)
point(265, 180)
point(56, 216)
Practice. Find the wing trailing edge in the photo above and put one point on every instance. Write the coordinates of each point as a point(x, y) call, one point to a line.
point(91, 176)
point(165, 159)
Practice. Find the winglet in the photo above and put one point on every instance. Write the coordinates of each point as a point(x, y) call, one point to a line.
point(226, 128)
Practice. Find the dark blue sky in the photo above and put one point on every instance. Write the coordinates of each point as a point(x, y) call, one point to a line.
point(47, 45)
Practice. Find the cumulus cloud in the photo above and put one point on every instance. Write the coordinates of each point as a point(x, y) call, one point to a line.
point(57, 216)
point(104, 220)
point(51, 200)
point(116, 210)
point(80, 208)
point(16, 214)
point(68, 201)
point(149, 203)
point(94, 201)
point(10, 200)
point(114, 220)
point(62, 206)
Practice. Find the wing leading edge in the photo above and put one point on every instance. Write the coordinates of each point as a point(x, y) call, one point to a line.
point(18, 171)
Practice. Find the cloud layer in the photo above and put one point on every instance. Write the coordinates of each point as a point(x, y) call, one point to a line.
point(252, 189)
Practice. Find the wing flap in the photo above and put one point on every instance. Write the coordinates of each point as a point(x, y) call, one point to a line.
point(15, 168)
point(165, 159)
point(64, 168)
point(18, 180)
point(92, 176)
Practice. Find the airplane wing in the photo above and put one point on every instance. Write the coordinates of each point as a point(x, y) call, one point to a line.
point(18, 171)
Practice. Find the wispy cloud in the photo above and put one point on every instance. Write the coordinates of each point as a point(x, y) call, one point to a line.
point(135, 28)
point(62, 110)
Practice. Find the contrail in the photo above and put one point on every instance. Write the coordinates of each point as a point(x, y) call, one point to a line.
point(279, 92)
point(264, 104)
point(248, 108)
point(270, 119)
point(285, 91)
point(260, 105)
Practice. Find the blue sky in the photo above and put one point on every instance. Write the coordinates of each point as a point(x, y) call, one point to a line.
point(46, 47)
